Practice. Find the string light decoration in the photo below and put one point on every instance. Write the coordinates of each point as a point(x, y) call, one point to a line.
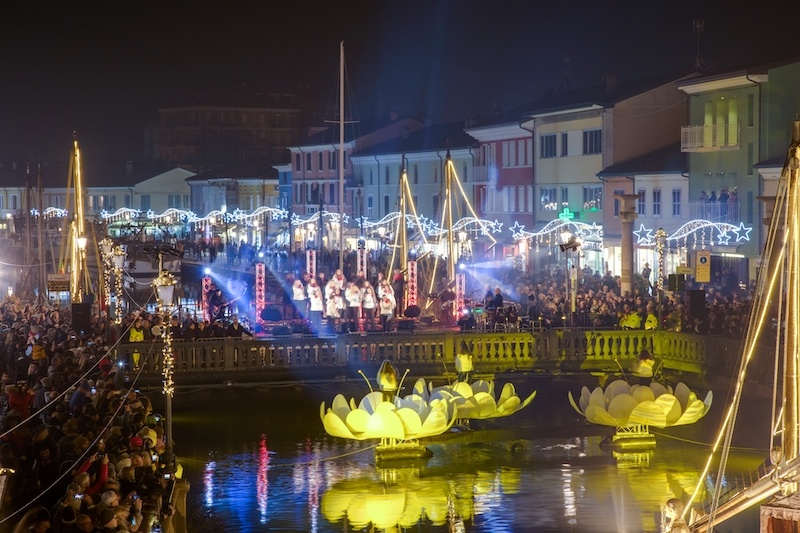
point(164, 286)
point(661, 239)
point(118, 259)
point(107, 251)
point(261, 276)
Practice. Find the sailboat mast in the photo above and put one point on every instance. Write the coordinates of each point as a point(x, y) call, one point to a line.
point(791, 448)
point(40, 234)
point(341, 155)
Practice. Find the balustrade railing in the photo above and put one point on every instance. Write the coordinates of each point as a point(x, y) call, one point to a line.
point(434, 352)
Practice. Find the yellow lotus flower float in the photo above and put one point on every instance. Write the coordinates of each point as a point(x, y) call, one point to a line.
point(475, 401)
point(633, 408)
point(384, 415)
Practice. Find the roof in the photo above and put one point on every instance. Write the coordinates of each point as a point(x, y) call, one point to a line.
point(435, 137)
point(603, 95)
point(667, 160)
point(56, 174)
point(355, 129)
point(259, 168)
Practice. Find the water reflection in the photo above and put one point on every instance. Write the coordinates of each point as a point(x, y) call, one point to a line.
point(265, 471)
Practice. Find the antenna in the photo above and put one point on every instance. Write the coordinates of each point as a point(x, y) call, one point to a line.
point(697, 27)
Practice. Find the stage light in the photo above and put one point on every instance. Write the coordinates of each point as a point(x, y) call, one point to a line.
point(207, 271)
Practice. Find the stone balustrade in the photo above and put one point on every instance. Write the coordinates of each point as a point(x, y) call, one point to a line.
point(433, 353)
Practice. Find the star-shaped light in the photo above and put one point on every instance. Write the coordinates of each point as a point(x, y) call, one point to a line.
point(723, 238)
point(345, 219)
point(516, 229)
point(742, 229)
point(498, 226)
point(643, 235)
point(595, 231)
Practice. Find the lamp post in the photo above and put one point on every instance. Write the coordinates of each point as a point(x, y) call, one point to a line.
point(164, 286)
point(570, 242)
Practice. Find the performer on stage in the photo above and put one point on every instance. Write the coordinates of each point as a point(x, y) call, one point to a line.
point(216, 305)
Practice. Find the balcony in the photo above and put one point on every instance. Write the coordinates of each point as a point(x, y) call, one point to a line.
point(710, 137)
point(716, 212)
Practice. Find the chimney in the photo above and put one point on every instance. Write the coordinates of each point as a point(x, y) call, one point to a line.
point(611, 83)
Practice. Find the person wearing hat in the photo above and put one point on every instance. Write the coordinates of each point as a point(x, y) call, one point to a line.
point(107, 520)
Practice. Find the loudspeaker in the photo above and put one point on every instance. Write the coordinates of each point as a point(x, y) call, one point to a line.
point(281, 330)
point(405, 325)
point(412, 311)
point(677, 282)
point(697, 304)
point(271, 314)
point(81, 317)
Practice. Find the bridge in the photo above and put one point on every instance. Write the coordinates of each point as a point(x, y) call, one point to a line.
point(429, 354)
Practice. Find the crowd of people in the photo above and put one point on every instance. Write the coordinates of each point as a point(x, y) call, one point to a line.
point(81, 450)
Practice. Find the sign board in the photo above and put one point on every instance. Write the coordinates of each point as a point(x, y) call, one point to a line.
point(58, 282)
point(703, 268)
point(684, 270)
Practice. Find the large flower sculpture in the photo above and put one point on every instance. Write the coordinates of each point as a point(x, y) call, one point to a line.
point(383, 415)
point(622, 405)
point(475, 400)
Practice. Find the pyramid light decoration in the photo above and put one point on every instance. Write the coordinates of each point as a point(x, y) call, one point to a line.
point(384, 415)
point(623, 406)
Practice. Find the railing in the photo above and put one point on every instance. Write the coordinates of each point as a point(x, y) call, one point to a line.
point(710, 137)
point(433, 353)
point(715, 211)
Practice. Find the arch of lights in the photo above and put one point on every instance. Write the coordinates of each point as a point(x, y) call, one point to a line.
point(701, 232)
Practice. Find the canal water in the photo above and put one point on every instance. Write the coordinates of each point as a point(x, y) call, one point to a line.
point(258, 460)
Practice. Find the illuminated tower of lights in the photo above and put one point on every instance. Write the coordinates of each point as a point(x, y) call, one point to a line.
point(73, 248)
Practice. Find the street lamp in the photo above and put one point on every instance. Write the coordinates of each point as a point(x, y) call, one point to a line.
point(570, 242)
point(164, 286)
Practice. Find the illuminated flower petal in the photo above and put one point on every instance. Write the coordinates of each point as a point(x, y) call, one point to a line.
point(641, 405)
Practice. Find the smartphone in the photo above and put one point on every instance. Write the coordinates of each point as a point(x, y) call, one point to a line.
point(167, 476)
point(78, 496)
point(100, 455)
point(94, 390)
point(135, 496)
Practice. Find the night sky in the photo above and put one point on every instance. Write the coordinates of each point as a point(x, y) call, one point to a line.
point(104, 68)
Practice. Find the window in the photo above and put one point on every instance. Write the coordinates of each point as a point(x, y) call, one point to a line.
point(750, 153)
point(435, 203)
point(386, 173)
point(564, 145)
point(371, 180)
point(416, 173)
point(512, 155)
point(640, 207)
point(297, 162)
point(548, 146)
point(332, 160)
point(435, 173)
point(529, 145)
point(676, 202)
point(308, 161)
point(521, 153)
point(505, 154)
point(145, 202)
point(593, 198)
point(751, 112)
point(370, 202)
point(385, 204)
point(319, 161)
point(656, 202)
point(332, 194)
point(126, 200)
point(616, 201)
point(547, 199)
point(592, 142)
point(564, 196)
point(174, 201)
point(464, 175)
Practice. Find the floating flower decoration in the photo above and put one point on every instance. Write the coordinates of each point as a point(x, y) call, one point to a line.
point(623, 405)
point(383, 415)
point(476, 400)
